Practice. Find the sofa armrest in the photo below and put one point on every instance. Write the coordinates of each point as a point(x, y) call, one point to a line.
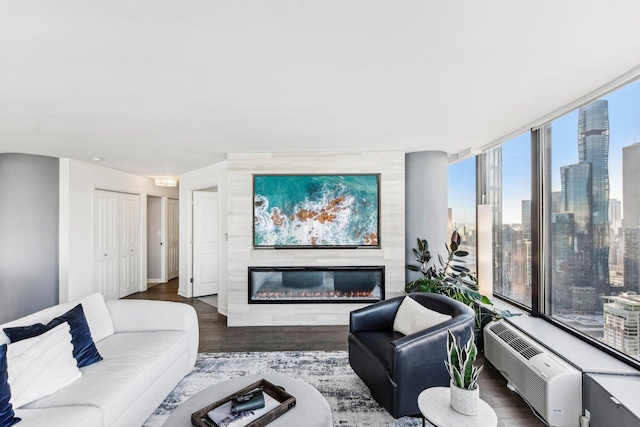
point(376, 317)
point(148, 316)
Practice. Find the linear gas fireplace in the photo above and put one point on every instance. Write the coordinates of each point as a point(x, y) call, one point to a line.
point(269, 285)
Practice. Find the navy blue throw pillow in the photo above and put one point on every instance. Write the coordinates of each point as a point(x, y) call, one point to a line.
point(7, 417)
point(84, 350)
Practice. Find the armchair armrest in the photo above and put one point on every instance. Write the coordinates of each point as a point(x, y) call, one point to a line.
point(377, 317)
point(148, 316)
point(427, 349)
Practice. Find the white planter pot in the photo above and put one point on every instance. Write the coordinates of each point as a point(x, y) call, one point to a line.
point(464, 401)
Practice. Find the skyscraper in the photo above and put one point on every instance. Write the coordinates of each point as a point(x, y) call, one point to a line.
point(593, 149)
point(631, 216)
point(526, 219)
point(490, 178)
point(582, 232)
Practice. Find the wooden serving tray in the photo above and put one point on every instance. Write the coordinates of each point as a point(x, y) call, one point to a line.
point(287, 401)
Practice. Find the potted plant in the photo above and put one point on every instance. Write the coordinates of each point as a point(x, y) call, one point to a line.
point(451, 278)
point(464, 375)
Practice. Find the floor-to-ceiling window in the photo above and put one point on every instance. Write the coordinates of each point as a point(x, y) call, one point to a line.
point(593, 256)
point(505, 184)
point(462, 207)
point(571, 241)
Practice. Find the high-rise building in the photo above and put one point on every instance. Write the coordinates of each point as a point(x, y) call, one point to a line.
point(490, 191)
point(622, 324)
point(631, 216)
point(615, 215)
point(575, 199)
point(526, 219)
point(581, 229)
point(593, 149)
point(616, 246)
point(556, 196)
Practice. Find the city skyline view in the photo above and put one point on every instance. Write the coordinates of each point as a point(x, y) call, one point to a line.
point(594, 258)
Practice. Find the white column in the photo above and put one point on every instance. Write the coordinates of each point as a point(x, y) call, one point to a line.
point(426, 204)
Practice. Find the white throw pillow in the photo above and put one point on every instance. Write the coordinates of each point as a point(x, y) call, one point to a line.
point(41, 365)
point(413, 317)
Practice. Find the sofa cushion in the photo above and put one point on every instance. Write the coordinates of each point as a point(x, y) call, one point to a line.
point(7, 416)
point(84, 350)
point(41, 365)
point(413, 317)
point(132, 362)
point(65, 416)
point(95, 311)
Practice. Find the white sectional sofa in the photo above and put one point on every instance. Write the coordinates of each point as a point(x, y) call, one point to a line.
point(147, 348)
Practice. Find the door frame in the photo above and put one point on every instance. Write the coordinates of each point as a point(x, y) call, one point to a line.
point(163, 238)
point(189, 233)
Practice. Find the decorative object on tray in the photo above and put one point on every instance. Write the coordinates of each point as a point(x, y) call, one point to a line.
point(254, 406)
point(464, 375)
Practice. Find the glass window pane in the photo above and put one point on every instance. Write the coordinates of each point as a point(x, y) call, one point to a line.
point(462, 207)
point(595, 219)
point(507, 187)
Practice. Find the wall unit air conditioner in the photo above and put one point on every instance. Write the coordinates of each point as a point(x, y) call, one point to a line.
point(551, 386)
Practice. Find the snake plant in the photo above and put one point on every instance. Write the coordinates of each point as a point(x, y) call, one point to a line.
point(460, 363)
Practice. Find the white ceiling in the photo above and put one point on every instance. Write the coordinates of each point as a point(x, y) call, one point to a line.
point(161, 87)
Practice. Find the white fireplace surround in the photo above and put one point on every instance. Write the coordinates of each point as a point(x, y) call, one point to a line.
point(241, 254)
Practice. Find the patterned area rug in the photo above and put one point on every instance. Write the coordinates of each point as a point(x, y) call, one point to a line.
point(329, 372)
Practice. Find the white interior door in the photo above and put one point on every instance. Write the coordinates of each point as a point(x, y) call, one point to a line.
point(105, 243)
point(205, 243)
point(172, 238)
point(129, 244)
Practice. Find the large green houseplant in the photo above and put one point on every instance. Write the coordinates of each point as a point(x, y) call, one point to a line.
point(451, 278)
point(448, 277)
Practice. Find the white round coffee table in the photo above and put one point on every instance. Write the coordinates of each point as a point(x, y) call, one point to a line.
point(435, 405)
point(311, 407)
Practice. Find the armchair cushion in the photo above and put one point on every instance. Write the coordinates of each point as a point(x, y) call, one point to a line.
point(413, 317)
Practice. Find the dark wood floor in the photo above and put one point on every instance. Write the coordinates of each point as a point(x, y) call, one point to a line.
point(215, 336)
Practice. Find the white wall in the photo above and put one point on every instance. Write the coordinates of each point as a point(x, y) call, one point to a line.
point(241, 254)
point(200, 179)
point(77, 183)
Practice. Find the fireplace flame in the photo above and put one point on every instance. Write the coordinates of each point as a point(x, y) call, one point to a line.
point(324, 295)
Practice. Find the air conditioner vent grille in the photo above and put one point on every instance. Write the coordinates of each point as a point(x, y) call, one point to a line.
point(508, 336)
point(498, 328)
point(514, 341)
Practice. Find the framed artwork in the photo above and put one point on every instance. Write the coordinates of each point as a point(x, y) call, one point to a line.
point(316, 211)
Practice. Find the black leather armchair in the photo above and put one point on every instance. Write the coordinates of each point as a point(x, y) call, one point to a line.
point(395, 367)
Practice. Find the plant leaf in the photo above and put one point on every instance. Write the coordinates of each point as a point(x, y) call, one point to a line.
point(461, 253)
point(455, 237)
point(460, 269)
point(413, 267)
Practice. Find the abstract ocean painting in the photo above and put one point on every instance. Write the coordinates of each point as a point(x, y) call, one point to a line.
point(316, 210)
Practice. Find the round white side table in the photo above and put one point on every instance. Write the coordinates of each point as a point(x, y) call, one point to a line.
point(435, 405)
